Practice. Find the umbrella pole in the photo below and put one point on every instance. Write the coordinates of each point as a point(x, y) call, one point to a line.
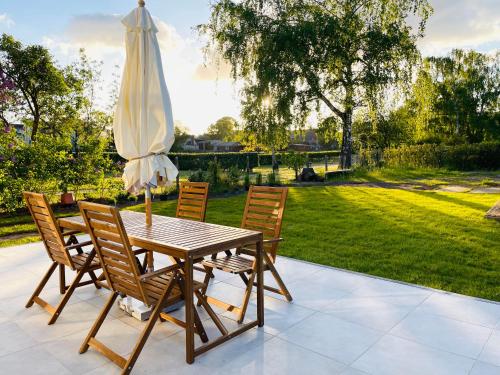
point(149, 218)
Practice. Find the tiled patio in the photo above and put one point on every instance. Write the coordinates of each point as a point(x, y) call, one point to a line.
point(339, 323)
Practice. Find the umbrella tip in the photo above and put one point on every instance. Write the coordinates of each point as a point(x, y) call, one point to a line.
point(142, 3)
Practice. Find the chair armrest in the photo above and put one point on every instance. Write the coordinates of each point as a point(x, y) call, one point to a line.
point(78, 245)
point(161, 271)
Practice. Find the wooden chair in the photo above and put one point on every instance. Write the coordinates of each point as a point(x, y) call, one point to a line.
point(192, 201)
point(263, 212)
point(58, 249)
point(158, 289)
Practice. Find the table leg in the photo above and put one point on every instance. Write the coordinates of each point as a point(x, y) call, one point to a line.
point(189, 305)
point(150, 261)
point(260, 283)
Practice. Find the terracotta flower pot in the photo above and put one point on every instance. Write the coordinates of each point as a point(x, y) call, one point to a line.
point(67, 198)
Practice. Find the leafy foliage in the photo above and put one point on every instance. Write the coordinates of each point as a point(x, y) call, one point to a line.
point(302, 56)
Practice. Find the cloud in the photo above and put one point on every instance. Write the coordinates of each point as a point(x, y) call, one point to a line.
point(200, 92)
point(213, 68)
point(6, 20)
point(462, 24)
point(107, 30)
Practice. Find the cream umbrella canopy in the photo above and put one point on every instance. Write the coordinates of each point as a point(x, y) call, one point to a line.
point(143, 123)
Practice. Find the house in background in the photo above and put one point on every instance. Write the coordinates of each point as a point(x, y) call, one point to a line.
point(307, 141)
point(193, 144)
point(22, 133)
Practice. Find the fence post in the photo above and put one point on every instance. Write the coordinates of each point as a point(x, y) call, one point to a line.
point(248, 163)
point(178, 172)
point(326, 163)
point(258, 160)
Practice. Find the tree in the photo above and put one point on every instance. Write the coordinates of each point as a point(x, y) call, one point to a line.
point(37, 80)
point(223, 129)
point(182, 134)
point(455, 99)
point(315, 55)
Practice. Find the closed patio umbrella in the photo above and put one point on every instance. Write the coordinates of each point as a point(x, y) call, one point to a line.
point(143, 124)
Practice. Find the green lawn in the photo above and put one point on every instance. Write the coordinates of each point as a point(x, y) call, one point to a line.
point(426, 176)
point(435, 239)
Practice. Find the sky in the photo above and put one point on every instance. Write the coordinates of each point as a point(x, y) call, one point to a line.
point(202, 92)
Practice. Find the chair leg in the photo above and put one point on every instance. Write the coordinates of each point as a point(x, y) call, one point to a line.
point(62, 279)
point(209, 272)
point(40, 286)
point(211, 313)
point(67, 296)
point(283, 288)
point(246, 299)
point(94, 279)
point(149, 327)
point(98, 322)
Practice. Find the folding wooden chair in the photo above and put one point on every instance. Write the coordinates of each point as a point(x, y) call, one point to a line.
point(191, 205)
point(263, 212)
point(192, 201)
point(58, 249)
point(158, 289)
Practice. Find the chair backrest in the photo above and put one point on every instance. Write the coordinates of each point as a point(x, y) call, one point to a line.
point(264, 212)
point(112, 246)
point(48, 228)
point(192, 202)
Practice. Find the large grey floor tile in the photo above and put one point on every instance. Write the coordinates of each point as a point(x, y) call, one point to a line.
point(33, 361)
point(443, 333)
point(314, 295)
point(491, 351)
point(379, 316)
point(332, 337)
point(279, 315)
point(13, 338)
point(280, 357)
point(66, 351)
point(74, 318)
point(396, 356)
point(373, 287)
point(462, 308)
point(481, 368)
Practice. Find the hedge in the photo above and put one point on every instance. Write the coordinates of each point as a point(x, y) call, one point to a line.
point(465, 157)
point(198, 160)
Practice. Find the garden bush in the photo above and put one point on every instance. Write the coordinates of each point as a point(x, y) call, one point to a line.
point(200, 160)
point(464, 157)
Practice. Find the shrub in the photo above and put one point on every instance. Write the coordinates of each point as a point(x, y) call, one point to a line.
point(273, 179)
point(233, 176)
point(461, 157)
point(200, 160)
point(246, 181)
point(197, 176)
point(295, 160)
point(258, 179)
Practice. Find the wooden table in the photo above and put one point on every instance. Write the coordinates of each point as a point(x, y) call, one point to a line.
point(188, 241)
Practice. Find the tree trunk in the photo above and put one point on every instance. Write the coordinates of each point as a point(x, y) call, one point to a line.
point(34, 130)
point(346, 153)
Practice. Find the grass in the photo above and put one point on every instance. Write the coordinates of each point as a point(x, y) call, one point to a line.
point(440, 240)
point(427, 176)
point(20, 225)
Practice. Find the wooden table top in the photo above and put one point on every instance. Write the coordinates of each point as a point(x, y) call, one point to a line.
point(177, 237)
point(494, 212)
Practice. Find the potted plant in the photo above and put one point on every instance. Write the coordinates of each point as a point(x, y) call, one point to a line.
point(66, 197)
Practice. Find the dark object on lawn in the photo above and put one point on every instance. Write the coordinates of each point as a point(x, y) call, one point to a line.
point(308, 175)
point(494, 212)
point(338, 173)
